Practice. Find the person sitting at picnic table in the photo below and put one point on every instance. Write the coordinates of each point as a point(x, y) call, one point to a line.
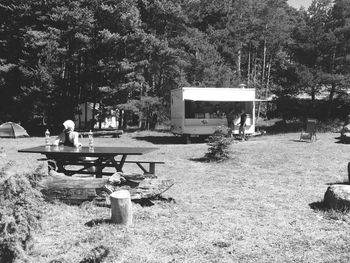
point(242, 125)
point(68, 137)
point(71, 138)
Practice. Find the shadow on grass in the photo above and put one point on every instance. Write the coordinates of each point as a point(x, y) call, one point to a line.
point(319, 206)
point(96, 222)
point(339, 214)
point(341, 140)
point(200, 160)
point(168, 139)
point(164, 199)
point(146, 202)
point(304, 141)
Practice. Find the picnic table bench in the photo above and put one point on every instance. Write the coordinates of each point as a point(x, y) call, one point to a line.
point(58, 164)
point(114, 133)
point(59, 157)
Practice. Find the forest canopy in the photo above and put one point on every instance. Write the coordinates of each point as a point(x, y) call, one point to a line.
point(57, 54)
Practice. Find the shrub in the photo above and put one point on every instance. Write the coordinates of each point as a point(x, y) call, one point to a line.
point(219, 146)
point(20, 210)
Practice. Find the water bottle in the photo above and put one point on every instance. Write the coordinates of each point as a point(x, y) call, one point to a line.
point(47, 137)
point(91, 140)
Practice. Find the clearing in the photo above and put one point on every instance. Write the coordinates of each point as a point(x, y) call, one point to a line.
point(260, 206)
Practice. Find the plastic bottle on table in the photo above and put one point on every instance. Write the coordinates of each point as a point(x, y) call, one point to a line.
point(91, 140)
point(47, 137)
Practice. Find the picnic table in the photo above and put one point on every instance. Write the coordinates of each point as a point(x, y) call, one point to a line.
point(98, 157)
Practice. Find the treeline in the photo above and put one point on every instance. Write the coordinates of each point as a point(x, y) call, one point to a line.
point(56, 54)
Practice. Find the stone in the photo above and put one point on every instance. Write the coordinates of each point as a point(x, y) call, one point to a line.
point(337, 197)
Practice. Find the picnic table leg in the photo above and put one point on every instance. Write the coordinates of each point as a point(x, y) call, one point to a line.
point(98, 168)
point(60, 167)
point(142, 168)
point(119, 165)
point(98, 172)
point(152, 168)
point(51, 165)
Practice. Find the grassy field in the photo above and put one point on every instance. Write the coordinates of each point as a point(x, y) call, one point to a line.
point(263, 205)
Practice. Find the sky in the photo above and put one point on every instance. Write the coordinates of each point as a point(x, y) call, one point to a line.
point(298, 3)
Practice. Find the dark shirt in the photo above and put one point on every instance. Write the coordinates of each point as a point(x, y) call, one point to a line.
point(243, 119)
point(67, 142)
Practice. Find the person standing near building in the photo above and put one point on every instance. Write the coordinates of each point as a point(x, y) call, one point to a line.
point(230, 116)
point(242, 125)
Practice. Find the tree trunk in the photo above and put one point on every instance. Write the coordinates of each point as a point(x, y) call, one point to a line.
point(239, 57)
point(268, 79)
point(248, 74)
point(312, 93)
point(264, 62)
point(330, 100)
point(254, 68)
point(92, 121)
point(331, 94)
point(85, 116)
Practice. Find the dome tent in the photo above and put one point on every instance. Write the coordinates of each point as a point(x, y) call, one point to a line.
point(12, 130)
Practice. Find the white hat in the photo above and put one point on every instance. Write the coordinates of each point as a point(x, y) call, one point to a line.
point(69, 125)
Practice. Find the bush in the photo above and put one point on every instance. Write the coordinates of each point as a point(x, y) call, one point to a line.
point(219, 145)
point(20, 211)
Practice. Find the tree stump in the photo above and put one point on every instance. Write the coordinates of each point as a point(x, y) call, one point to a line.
point(121, 207)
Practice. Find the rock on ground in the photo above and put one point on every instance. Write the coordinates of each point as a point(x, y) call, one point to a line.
point(337, 197)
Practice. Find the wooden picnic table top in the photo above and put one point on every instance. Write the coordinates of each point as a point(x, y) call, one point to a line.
point(86, 152)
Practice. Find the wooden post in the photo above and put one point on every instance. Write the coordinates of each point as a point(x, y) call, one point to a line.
point(121, 207)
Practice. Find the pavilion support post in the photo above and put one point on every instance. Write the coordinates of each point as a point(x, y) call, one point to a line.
point(121, 208)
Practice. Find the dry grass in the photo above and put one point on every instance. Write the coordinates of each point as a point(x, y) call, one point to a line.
point(256, 207)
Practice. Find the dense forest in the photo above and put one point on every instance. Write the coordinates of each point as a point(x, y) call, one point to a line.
point(129, 54)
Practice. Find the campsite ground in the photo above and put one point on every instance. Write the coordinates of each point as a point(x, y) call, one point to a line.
point(263, 205)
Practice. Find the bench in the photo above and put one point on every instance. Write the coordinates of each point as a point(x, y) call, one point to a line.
point(114, 133)
point(53, 164)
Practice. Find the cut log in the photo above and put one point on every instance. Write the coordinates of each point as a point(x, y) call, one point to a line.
point(121, 207)
point(75, 190)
